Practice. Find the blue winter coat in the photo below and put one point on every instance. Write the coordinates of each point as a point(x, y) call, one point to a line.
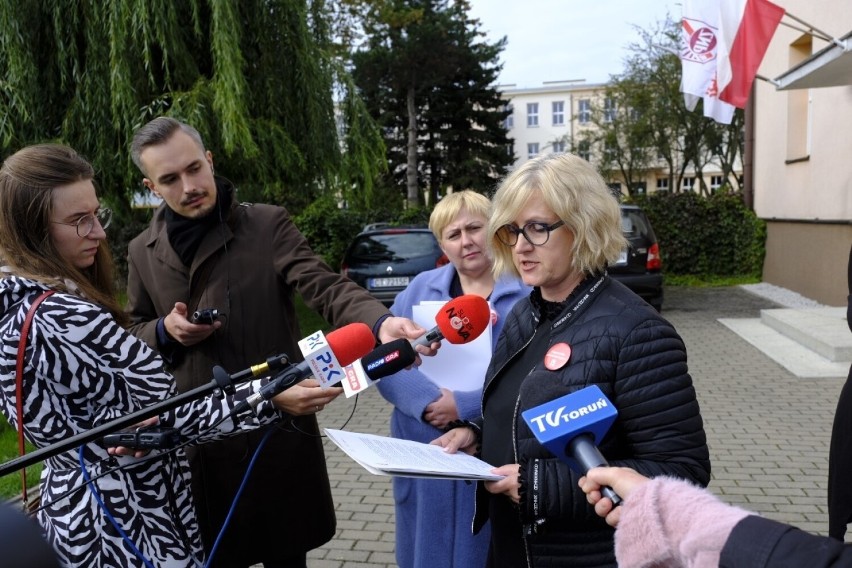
point(433, 517)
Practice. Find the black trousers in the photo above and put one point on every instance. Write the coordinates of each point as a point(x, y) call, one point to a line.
point(840, 465)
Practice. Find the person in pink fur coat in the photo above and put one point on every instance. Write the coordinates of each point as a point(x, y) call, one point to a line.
point(670, 523)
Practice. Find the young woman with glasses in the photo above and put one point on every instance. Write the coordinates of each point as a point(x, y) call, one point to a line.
point(82, 370)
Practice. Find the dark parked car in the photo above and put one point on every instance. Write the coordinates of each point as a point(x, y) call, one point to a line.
point(385, 259)
point(639, 267)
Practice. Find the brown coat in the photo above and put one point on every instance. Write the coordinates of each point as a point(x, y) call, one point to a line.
point(257, 261)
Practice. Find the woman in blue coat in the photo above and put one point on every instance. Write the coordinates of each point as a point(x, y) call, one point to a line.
point(433, 526)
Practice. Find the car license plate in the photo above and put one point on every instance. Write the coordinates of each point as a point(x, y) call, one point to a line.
point(389, 282)
point(622, 259)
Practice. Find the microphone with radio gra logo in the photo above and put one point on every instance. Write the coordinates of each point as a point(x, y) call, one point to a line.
point(571, 426)
point(383, 361)
point(325, 358)
point(461, 320)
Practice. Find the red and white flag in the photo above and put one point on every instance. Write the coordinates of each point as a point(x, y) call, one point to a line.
point(724, 42)
point(746, 27)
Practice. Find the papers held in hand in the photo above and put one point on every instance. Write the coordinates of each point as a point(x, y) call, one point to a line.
point(381, 455)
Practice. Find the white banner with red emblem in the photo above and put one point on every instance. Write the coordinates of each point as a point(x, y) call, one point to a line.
point(724, 42)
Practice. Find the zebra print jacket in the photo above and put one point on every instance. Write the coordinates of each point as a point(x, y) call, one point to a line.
point(83, 370)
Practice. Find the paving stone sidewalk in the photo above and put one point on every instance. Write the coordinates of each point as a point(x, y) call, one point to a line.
point(768, 433)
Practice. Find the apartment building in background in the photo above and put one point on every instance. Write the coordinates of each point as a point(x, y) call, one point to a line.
point(554, 117)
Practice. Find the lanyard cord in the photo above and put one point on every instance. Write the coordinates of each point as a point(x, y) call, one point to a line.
point(110, 518)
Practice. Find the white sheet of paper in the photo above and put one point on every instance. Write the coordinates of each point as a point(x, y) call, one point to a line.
point(381, 455)
point(455, 367)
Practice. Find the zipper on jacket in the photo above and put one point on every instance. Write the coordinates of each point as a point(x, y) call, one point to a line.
point(514, 433)
point(524, 530)
point(481, 404)
point(514, 436)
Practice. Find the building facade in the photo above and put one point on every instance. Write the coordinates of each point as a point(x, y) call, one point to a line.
point(555, 117)
point(803, 152)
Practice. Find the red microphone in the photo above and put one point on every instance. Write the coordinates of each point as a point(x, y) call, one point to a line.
point(461, 320)
point(325, 357)
point(351, 342)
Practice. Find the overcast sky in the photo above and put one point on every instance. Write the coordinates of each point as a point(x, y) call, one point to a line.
point(556, 40)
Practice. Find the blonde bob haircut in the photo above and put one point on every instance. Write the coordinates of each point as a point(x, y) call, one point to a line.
point(446, 211)
point(577, 194)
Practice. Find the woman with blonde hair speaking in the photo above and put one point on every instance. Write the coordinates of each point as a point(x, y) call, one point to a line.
point(555, 224)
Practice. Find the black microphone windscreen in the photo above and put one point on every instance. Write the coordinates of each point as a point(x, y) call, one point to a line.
point(388, 358)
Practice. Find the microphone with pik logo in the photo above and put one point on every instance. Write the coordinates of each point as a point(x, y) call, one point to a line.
point(325, 359)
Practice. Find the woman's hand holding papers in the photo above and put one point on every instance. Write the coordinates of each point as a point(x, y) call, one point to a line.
point(463, 439)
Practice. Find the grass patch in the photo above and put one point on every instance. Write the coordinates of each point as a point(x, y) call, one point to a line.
point(309, 320)
point(10, 485)
point(708, 281)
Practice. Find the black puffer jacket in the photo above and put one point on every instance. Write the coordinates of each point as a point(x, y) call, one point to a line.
point(622, 345)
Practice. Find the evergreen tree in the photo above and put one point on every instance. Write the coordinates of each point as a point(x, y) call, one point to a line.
point(427, 74)
point(256, 77)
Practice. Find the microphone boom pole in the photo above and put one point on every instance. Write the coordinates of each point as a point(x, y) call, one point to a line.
point(221, 380)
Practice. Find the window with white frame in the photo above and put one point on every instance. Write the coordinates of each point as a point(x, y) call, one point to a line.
point(532, 150)
point(609, 110)
point(584, 111)
point(532, 114)
point(558, 113)
point(715, 182)
point(509, 123)
point(584, 150)
point(662, 184)
point(688, 183)
point(558, 146)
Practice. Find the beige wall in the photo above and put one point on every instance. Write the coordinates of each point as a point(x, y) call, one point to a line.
point(809, 258)
point(803, 162)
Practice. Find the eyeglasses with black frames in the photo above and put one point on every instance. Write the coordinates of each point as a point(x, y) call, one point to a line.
point(86, 223)
point(535, 233)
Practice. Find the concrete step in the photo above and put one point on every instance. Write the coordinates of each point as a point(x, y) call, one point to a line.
point(799, 360)
point(822, 330)
point(808, 342)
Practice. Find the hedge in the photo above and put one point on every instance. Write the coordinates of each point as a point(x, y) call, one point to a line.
point(706, 236)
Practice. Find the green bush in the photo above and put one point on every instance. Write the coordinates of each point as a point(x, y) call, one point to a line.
point(329, 229)
point(413, 216)
point(706, 236)
point(10, 485)
point(119, 234)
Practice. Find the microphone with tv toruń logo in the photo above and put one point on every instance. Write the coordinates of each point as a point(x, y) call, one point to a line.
point(571, 426)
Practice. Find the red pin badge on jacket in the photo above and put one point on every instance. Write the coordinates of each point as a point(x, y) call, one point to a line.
point(557, 356)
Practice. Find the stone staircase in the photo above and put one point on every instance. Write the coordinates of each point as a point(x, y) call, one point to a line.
point(808, 342)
